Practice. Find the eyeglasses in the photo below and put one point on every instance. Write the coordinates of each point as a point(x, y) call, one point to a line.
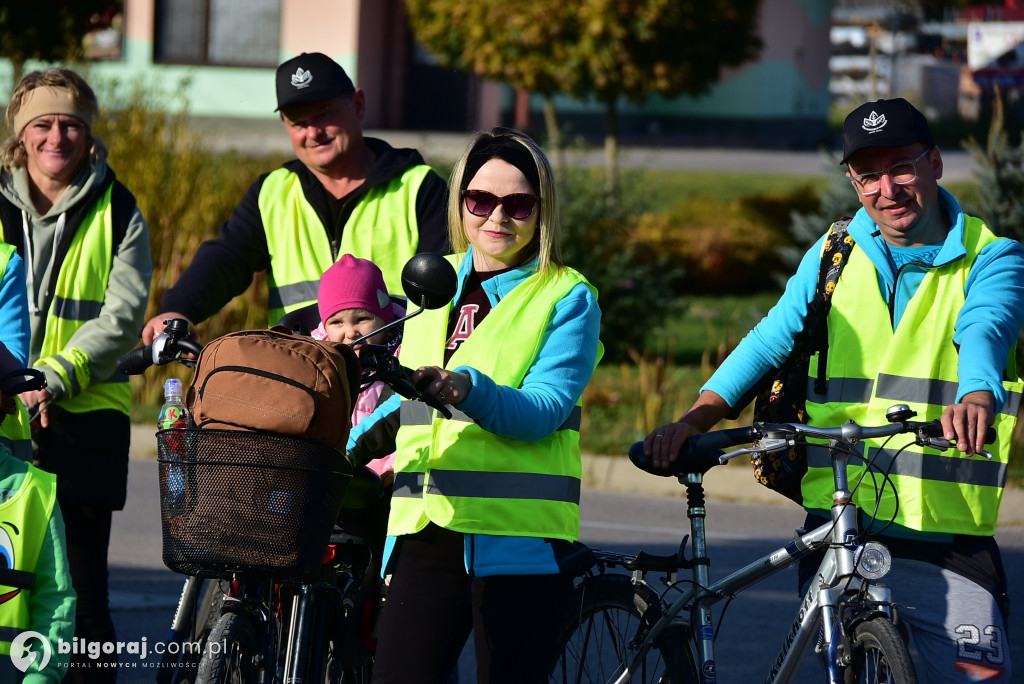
point(904, 173)
point(481, 203)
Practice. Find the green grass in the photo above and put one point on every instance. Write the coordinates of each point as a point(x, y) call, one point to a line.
point(706, 325)
point(667, 188)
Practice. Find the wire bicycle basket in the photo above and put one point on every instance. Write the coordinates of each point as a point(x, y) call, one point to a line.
point(234, 501)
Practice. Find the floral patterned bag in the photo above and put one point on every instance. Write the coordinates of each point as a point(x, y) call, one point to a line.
point(783, 391)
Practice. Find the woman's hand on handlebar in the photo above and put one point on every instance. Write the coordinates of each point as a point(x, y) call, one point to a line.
point(446, 386)
point(38, 402)
point(967, 421)
point(155, 326)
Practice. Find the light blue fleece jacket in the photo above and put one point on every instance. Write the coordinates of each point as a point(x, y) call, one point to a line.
point(531, 412)
point(986, 327)
point(14, 327)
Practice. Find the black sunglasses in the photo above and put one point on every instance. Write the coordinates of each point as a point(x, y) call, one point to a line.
point(481, 203)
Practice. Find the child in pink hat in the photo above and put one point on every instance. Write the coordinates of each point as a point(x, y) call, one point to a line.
point(353, 301)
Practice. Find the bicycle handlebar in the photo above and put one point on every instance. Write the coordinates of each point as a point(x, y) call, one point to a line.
point(384, 366)
point(704, 451)
point(168, 346)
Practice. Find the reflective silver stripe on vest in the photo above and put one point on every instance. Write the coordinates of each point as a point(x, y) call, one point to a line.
point(76, 309)
point(844, 390)
point(487, 485)
point(285, 295)
point(408, 485)
point(973, 471)
point(417, 413)
point(70, 371)
point(898, 388)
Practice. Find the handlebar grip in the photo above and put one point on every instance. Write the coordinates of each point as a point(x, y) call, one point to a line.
point(720, 439)
point(19, 579)
point(190, 346)
point(136, 361)
point(688, 461)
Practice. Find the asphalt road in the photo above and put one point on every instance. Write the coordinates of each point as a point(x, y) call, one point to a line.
point(268, 135)
point(144, 593)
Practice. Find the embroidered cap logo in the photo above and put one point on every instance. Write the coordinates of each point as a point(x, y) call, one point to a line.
point(301, 78)
point(874, 123)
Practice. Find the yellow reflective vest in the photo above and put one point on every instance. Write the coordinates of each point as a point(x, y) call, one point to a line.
point(382, 228)
point(79, 293)
point(458, 475)
point(24, 519)
point(871, 367)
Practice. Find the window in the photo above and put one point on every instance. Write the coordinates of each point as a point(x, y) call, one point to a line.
point(218, 32)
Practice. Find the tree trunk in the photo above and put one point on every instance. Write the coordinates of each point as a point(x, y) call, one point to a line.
point(17, 72)
point(611, 147)
point(555, 142)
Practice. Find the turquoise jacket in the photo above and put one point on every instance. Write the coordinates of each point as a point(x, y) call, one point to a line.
point(550, 390)
point(986, 327)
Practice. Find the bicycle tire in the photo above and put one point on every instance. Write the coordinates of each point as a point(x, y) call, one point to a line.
point(608, 612)
point(231, 652)
point(879, 654)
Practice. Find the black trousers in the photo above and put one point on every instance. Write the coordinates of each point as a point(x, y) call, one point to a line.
point(89, 454)
point(433, 605)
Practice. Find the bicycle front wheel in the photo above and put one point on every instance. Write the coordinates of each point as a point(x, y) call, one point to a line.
point(879, 654)
point(231, 655)
point(610, 616)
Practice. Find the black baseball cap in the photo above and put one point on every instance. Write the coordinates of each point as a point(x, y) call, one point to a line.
point(884, 123)
point(311, 76)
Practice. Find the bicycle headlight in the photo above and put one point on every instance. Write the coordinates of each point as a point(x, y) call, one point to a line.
point(874, 561)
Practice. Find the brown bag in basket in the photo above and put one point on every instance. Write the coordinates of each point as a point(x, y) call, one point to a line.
point(274, 381)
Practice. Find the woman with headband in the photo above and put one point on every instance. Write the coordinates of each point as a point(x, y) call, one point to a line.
point(88, 267)
point(485, 509)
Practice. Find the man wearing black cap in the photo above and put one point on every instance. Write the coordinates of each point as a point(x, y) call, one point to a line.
point(344, 194)
point(926, 313)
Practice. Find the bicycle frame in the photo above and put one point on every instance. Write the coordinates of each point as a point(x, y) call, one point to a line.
point(835, 577)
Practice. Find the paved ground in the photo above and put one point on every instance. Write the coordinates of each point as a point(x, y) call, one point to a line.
point(734, 482)
point(267, 135)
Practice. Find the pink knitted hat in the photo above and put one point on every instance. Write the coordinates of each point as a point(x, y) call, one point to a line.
point(354, 283)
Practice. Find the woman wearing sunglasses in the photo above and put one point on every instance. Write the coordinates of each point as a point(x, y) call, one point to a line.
point(486, 505)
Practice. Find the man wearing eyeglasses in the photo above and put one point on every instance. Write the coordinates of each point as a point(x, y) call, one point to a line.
point(343, 194)
point(926, 313)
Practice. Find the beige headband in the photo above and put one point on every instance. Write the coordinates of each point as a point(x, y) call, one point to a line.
point(49, 100)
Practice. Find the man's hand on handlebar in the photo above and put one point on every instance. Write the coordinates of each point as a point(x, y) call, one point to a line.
point(967, 421)
point(662, 446)
point(155, 326)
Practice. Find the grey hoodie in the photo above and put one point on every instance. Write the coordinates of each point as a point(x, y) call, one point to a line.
point(116, 329)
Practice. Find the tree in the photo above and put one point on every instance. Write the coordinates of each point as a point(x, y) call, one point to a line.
point(527, 44)
point(634, 49)
point(49, 30)
point(609, 49)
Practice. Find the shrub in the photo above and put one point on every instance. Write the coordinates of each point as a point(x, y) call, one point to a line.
point(185, 192)
point(724, 247)
point(633, 276)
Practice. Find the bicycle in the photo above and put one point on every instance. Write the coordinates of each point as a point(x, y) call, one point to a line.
point(623, 629)
point(301, 606)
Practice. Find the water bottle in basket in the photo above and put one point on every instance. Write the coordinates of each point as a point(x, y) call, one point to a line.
point(173, 414)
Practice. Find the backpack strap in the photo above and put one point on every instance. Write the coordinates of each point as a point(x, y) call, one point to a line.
point(834, 256)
